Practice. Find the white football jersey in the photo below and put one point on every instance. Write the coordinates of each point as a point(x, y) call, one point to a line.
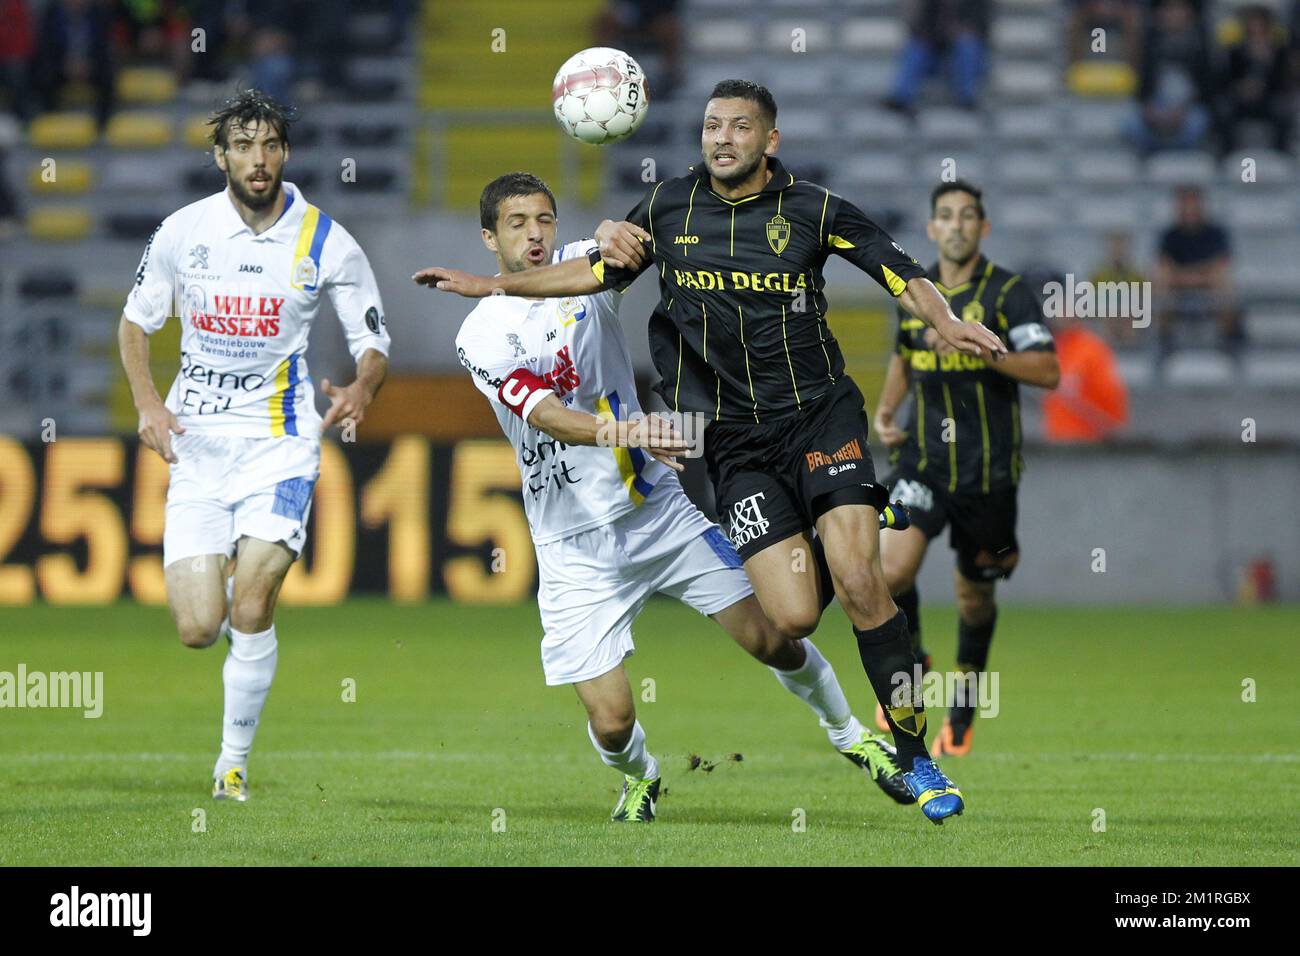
point(246, 304)
point(575, 346)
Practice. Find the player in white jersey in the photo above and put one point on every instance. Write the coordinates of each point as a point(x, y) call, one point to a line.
point(245, 270)
point(609, 520)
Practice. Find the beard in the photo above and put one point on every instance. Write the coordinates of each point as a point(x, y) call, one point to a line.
point(255, 200)
point(738, 173)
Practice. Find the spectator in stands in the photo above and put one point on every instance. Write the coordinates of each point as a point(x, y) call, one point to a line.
point(1194, 274)
point(628, 24)
point(1091, 401)
point(1175, 86)
point(1117, 266)
point(17, 43)
point(155, 32)
point(1256, 83)
point(74, 46)
point(955, 31)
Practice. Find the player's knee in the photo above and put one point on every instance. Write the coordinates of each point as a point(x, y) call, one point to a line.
point(199, 634)
point(790, 624)
point(613, 728)
point(975, 607)
point(251, 611)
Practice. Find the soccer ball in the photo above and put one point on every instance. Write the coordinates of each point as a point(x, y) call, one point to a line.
point(599, 96)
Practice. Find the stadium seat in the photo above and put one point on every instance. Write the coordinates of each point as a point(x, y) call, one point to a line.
point(1135, 369)
point(934, 164)
point(1199, 368)
point(196, 133)
point(1025, 79)
point(62, 131)
point(373, 134)
point(946, 124)
point(1027, 212)
point(1107, 213)
point(1095, 121)
point(1018, 123)
point(869, 124)
point(1101, 79)
point(146, 85)
point(1022, 34)
point(1106, 167)
point(135, 226)
point(1252, 209)
point(47, 283)
point(1272, 368)
point(780, 36)
point(880, 35)
point(59, 223)
point(1028, 168)
point(139, 130)
point(1271, 167)
point(876, 169)
point(1274, 327)
point(68, 176)
point(720, 35)
point(1180, 168)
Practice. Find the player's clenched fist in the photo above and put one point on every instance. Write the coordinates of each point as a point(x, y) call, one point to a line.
point(621, 244)
point(887, 429)
point(157, 425)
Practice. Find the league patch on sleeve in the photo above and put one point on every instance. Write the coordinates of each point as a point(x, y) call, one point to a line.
point(1027, 336)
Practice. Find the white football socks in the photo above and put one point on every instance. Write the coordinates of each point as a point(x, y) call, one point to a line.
point(633, 760)
point(816, 685)
point(247, 676)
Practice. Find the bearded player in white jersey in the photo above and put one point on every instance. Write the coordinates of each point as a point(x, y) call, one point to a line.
point(245, 270)
point(609, 520)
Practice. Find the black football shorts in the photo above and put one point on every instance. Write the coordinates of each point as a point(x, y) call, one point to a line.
point(774, 479)
point(983, 524)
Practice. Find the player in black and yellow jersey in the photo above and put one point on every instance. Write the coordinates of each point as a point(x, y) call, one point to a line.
point(740, 335)
point(958, 461)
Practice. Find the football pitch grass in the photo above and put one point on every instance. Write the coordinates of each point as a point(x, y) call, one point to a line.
point(455, 752)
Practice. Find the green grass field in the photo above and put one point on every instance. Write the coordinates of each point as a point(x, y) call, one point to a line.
point(1136, 712)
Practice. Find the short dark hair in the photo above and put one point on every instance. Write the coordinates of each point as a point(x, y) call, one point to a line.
point(505, 187)
point(957, 186)
point(247, 108)
point(748, 90)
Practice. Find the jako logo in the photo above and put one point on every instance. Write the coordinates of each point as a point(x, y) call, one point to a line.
point(686, 240)
point(103, 909)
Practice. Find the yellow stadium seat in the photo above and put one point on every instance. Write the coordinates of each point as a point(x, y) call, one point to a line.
point(197, 133)
point(59, 223)
point(62, 131)
point(139, 130)
point(1101, 79)
point(63, 176)
point(146, 85)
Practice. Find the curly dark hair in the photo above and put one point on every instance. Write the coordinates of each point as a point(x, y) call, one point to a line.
point(247, 108)
point(748, 90)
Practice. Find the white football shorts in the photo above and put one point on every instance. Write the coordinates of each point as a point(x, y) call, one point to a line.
point(223, 488)
point(594, 583)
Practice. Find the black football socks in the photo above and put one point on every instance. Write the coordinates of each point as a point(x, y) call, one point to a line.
point(890, 663)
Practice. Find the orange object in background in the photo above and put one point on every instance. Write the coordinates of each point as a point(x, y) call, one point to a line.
point(1092, 400)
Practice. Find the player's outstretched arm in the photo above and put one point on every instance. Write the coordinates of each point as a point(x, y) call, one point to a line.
point(923, 300)
point(157, 423)
point(573, 277)
point(652, 433)
point(351, 401)
point(1032, 368)
point(891, 396)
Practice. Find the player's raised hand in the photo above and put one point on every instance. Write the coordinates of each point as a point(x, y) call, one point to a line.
point(157, 425)
point(347, 402)
point(971, 338)
point(621, 244)
point(660, 439)
point(454, 280)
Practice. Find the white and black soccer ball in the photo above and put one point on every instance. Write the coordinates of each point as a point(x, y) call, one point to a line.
point(599, 96)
